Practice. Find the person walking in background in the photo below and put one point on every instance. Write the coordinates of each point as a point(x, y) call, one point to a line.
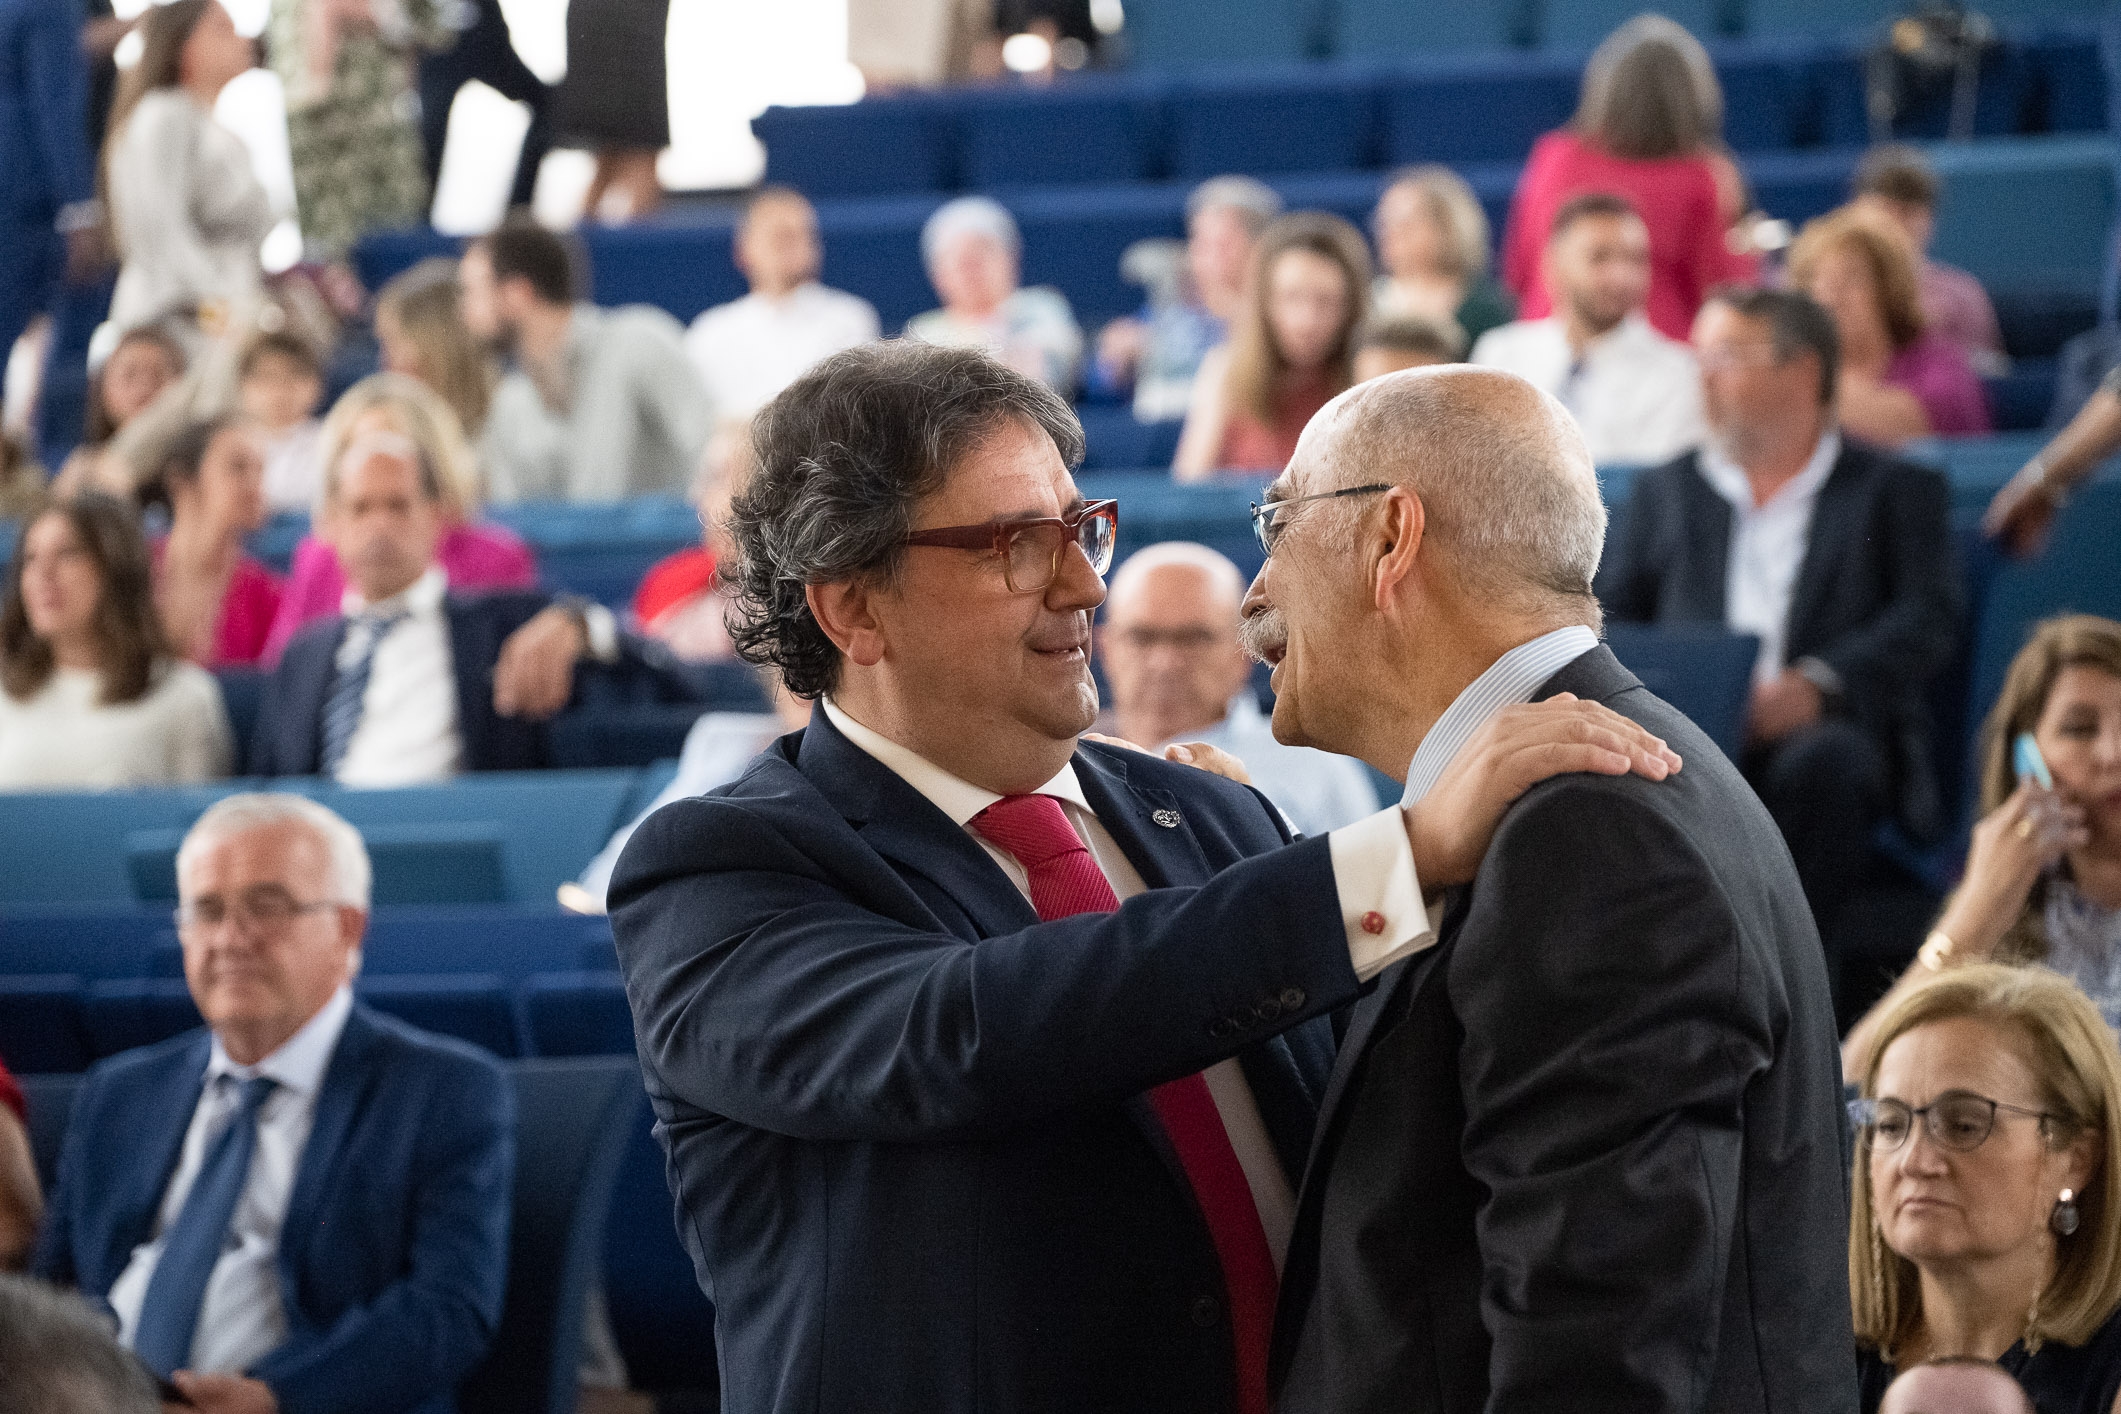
point(48, 228)
point(90, 694)
point(1292, 351)
point(1432, 239)
point(1897, 182)
point(2022, 515)
point(973, 254)
point(1635, 393)
point(217, 603)
point(1648, 127)
point(615, 102)
point(420, 328)
point(479, 48)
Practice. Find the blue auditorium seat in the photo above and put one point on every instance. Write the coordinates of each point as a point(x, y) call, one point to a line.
point(1176, 34)
point(1486, 110)
point(572, 1120)
point(578, 1014)
point(2038, 318)
point(1704, 672)
point(1991, 186)
point(513, 941)
point(627, 736)
point(1074, 238)
point(2071, 80)
point(93, 939)
point(1365, 29)
point(77, 839)
point(2075, 574)
point(51, 1104)
point(663, 1323)
point(1581, 24)
point(1086, 129)
point(431, 861)
point(1816, 17)
point(1116, 440)
point(40, 1023)
point(878, 147)
point(121, 1014)
point(479, 1007)
point(1264, 121)
point(2018, 400)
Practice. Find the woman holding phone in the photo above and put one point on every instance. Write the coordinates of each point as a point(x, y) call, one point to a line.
point(2043, 874)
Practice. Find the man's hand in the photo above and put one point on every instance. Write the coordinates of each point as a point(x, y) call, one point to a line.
point(2023, 512)
point(1516, 749)
point(534, 675)
point(226, 1394)
point(1788, 702)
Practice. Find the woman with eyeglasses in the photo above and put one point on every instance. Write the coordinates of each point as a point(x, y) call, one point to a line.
point(1987, 1188)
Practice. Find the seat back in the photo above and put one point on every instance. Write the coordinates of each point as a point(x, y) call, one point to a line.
point(1704, 672)
point(51, 1103)
point(662, 1321)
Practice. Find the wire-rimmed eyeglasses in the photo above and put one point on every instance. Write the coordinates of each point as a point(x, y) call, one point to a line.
point(1266, 513)
point(1958, 1120)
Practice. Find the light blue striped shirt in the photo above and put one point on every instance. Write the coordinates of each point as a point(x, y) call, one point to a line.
point(1512, 678)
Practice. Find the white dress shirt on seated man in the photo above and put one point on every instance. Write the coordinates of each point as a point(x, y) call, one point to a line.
point(408, 732)
point(242, 1318)
point(1767, 546)
point(749, 349)
point(1373, 872)
point(1635, 393)
point(1317, 790)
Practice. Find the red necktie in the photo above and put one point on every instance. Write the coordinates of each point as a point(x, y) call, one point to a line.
point(1065, 880)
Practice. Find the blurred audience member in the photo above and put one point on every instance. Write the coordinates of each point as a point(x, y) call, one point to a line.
point(280, 383)
point(1635, 393)
point(1291, 352)
point(420, 326)
point(143, 363)
point(1398, 342)
point(2043, 874)
point(1898, 183)
point(1169, 647)
point(2023, 512)
point(353, 132)
point(751, 348)
point(304, 1203)
point(49, 228)
point(61, 1357)
point(601, 403)
point(1988, 1177)
point(680, 601)
point(1837, 556)
point(615, 102)
point(21, 1201)
point(1956, 1384)
point(1432, 239)
point(24, 485)
point(411, 683)
point(217, 603)
point(1157, 351)
point(474, 554)
point(188, 211)
point(90, 694)
point(971, 248)
point(717, 749)
point(1898, 381)
point(1647, 127)
point(480, 48)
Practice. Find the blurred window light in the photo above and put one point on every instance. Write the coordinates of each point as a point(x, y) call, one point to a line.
point(1107, 16)
point(1071, 53)
point(479, 157)
point(1027, 53)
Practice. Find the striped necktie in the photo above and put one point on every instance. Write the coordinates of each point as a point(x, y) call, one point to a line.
point(342, 709)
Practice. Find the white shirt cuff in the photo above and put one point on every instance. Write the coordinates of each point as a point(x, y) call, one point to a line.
point(1380, 899)
point(602, 628)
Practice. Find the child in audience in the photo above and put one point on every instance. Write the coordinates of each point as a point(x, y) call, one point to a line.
point(143, 363)
point(1406, 341)
point(216, 602)
point(281, 385)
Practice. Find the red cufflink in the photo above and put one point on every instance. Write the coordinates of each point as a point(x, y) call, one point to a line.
point(1373, 922)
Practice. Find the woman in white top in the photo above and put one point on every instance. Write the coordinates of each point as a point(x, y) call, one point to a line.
point(185, 205)
point(89, 693)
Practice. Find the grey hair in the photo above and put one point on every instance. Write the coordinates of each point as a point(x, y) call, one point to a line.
point(1505, 479)
point(1165, 554)
point(351, 874)
point(841, 460)
point(1253, 200)
point(58, 1357)
point(969, 216)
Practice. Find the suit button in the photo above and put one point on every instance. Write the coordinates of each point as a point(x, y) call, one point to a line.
point(1266, 1011)
point(1207, 1311)
point(1293, 998)
point(1222, 1028)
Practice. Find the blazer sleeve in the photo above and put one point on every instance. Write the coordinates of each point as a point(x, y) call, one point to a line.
point(1611, 1031)
point(426, 1331)
point(57, 102)
point(767, 990)
point(279, 728)
point(52, 1259)
point(1899, 649)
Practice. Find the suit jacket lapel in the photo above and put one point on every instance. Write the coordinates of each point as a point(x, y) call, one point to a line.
point(339, 1099)
point(311, 688)
point(1707, 517)
point(167, 1113)
point(1165, 855)
point(1834, 519)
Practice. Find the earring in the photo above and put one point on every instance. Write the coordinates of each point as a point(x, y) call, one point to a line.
point(2064, 1219)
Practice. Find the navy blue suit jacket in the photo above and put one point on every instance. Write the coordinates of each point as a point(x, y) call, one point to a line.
point(394, 1252)
point(44, 158)
point(904, 1118)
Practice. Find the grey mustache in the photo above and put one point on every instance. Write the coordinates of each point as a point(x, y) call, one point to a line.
point(1262, 631)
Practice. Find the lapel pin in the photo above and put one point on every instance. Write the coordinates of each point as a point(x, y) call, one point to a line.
point(1166, 818)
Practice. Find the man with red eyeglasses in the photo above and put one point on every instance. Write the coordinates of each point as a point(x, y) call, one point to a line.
point(986, 1058)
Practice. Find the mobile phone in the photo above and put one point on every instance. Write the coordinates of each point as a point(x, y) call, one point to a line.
point(2029, 763)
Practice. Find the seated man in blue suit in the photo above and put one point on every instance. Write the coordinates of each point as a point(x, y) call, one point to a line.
point(412, 683)
point(303, 1207)
point(982, 1088)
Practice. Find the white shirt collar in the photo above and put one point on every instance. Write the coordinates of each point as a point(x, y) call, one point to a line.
point(301, 1060)
point(1510, 679)
point(1730, 481)
point(423, 596)
point(959, 799)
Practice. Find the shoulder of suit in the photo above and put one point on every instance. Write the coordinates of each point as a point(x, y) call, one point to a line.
point(1200, 789)
point(400, 1044)
point(129, 1068)
point(1867, 462)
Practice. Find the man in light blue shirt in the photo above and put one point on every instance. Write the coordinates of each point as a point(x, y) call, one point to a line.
point(1169, 645)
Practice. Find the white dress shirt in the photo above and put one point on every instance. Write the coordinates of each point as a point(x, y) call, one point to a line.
point(241, 1319)
point(408, 730)
point(1509, 680)
point(1366, 874)
point(750, 349)
point(1635, 393)
point(1768, 544)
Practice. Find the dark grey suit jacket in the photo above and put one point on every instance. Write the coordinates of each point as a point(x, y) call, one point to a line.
point(1584, 1153)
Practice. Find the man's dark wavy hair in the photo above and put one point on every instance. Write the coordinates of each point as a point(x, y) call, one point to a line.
point(841, 462)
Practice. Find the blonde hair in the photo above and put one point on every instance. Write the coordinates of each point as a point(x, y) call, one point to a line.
point(1450, 203)
point(1883, 250)
point(2073, 1056)
point(423, 302)
point(420, 414)
point(1257, 366)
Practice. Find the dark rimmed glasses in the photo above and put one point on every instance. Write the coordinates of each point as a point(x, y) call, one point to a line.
point(263, 911)
point(1031, 550)
point(1958, 1120)
point(1266, 513)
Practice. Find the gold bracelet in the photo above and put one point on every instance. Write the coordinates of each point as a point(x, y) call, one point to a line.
point(1937, 950)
